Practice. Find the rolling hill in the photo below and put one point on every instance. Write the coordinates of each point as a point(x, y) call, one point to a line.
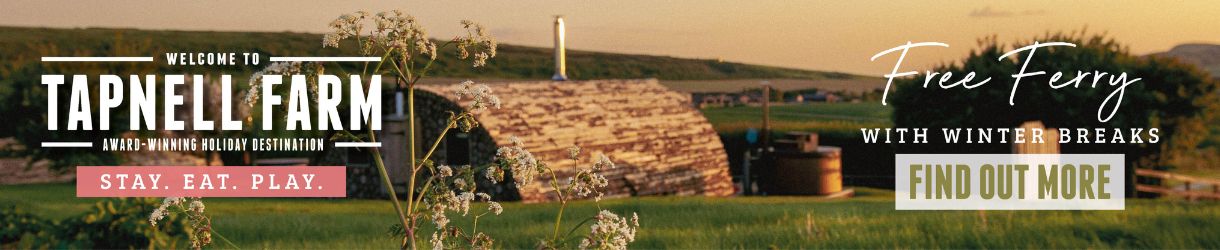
point(1204, 56)
point(22, 46)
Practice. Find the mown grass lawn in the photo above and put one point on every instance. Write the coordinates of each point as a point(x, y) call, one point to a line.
point(838, 117)
point(868, 221)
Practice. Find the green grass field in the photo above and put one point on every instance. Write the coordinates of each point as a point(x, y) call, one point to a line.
point(833, 117)
point(859, 84)
point(868, 221)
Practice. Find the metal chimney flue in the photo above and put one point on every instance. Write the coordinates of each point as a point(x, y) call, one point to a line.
point(560, 64)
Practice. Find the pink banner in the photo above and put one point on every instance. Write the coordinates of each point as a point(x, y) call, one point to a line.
point(211, 181)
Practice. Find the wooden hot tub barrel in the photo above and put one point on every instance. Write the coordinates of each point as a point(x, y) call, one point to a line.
point(817, 172)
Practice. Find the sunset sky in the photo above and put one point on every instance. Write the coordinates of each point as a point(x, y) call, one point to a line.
point(819, 35)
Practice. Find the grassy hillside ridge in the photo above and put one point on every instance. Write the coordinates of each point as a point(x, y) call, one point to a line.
point(21, 45)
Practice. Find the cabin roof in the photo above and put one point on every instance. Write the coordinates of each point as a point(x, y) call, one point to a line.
point(661, 144)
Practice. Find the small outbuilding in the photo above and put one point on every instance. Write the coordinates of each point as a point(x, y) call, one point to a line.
point(660, 144)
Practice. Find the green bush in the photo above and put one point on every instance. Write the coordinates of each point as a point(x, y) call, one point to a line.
point(109, 224)
point(14, 223)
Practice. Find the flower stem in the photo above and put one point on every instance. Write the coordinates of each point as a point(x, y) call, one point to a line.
point(577, 226)
point(437, 143)
point(558, 218)
point(422, 193)
point(563, 203)
point(475, 228)
point(385, 179)
point(411, 140)
point(222, 238)
point(382, 61)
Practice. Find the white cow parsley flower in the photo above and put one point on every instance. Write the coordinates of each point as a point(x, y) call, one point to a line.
point(479, 94)
point(495, 207)
point(256, 80)
point(610, 232)
point(574, 152)
point(586, 182)
point(521, 162)
point(163, 210)
point(444, 171)
point(601, 161)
